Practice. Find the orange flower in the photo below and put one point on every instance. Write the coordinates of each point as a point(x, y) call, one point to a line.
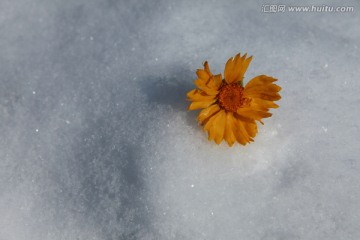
point(229, 109)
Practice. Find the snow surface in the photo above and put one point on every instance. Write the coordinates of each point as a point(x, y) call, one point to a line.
point(96, 141)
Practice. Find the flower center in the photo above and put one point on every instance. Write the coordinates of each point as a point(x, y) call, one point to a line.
point(231, 97)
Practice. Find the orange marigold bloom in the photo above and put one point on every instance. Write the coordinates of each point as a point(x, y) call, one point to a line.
point(230, 109)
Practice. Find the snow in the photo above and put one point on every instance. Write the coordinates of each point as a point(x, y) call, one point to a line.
point(97, 143)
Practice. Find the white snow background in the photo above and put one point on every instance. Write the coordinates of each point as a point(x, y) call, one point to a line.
point(97, 143)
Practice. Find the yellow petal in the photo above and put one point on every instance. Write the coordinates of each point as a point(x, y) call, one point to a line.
point(262, 87)
point(235, 68)
point(269, 96)
point(253, 114)
point(234, 72)
point(251, 128)
point(215, 82)
point(216, 126)
point(210, 121)
point(269, 88)
point(240, 132)
point(202, 85)
point(244, 66)
point(219, 128)
point(244, 119)
point(262, 105)
point(202, 74)
point(202, 104)
point(207, 113)
point(199, 95)
point(229, 134)
point(228, 70)
point(260, 80)
point(207, 68)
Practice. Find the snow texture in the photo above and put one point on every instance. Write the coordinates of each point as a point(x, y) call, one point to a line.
point(96, 142)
